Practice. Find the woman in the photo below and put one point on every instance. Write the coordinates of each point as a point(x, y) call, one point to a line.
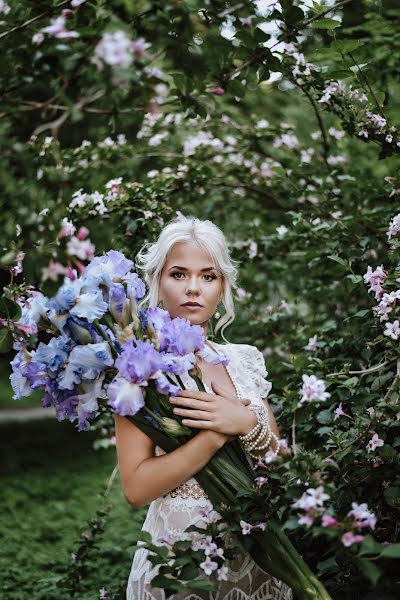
point(190, 272)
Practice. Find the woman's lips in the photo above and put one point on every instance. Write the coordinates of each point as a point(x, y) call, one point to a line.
point(192, 306)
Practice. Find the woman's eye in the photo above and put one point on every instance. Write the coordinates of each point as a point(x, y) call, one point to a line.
point(177, 275)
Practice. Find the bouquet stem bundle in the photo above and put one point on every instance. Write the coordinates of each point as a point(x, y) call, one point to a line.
point(227, 472)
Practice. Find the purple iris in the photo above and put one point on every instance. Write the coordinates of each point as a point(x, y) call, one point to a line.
point(125, 397)
point(118, 304)
point(136, 287)
point(138, 363)
point(157, 317)
point(180, 337)
point(109, 267)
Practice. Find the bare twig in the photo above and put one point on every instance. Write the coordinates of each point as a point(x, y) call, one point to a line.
point(294, 447)
point(259, 56)
point(57, 123)
point(111, 480)
point(325, 142)
point(362, 372)
point(30, 21)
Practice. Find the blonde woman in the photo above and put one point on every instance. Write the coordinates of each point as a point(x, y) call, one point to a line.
point(189, 270)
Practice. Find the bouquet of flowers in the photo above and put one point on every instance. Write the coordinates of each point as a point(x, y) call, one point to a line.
point(90, 350)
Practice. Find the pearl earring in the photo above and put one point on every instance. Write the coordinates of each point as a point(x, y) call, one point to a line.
point(217, 315)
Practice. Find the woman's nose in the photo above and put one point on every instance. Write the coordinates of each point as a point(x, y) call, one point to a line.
point(193, 286)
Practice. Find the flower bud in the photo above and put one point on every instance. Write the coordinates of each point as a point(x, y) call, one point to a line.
point(173, 428)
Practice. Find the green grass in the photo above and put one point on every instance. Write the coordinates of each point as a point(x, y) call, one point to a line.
point(51, 481)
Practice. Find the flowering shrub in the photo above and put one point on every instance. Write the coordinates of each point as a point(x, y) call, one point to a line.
point(136, 113)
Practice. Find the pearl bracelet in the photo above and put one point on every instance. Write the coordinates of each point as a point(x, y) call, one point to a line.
point(264, 431)
point(259, 431)
point(274, 452)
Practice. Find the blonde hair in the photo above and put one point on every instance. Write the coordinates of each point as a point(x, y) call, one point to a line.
point(152, 256)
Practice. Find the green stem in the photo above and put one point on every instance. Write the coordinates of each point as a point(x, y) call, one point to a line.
point(105, 337)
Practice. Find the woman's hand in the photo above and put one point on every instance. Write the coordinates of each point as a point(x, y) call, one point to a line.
point(216, 412)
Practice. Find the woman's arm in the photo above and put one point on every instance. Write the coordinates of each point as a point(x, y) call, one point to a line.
point(144, 476)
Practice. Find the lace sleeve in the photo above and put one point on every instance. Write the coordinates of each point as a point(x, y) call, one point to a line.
point(261, 373)
point(250, 371)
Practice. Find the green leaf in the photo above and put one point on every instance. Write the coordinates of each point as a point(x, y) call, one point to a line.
point(9, 309)
point(392, 496)
point(378, 96)
point(6, 341)
point(362, 313)
point(324, 417)
point(263, 74)
point(236, 88)
point(355, 278)
point(391, 551)
point(387, 453)
point(344, 46)
point(351, 382)
point(202, 584)
point(339, 260)
point(327, 565)
point(358, 67)
point(370, 547)
point(326, 24)
point(370, 570)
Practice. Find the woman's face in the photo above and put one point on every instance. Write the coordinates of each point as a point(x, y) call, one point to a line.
point(190, 286)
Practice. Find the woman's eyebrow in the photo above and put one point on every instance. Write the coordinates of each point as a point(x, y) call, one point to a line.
point(185, 269)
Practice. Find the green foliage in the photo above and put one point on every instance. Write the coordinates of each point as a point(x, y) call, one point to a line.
point(300, 172)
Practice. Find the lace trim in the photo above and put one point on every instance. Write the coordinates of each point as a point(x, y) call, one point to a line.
point(185, 491)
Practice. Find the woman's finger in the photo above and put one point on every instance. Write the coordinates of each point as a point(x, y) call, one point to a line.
point(195, 394)
point(192, 414)
point(196, 424)
point(192, 403)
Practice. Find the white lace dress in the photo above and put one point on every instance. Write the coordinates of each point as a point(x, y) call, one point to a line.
point(171, 514)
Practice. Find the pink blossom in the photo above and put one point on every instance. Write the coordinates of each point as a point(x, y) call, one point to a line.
point(374, 277)
point(362, 515)
point(217, 91)
point(306, 520)
point(67, 228)
point(339, 412)
point(328, 521)
point(139, 46)
point(312, 344)
point(82, 249)
point(260, 481)
point(377, 462)
point(246, 527)
point(4, 8)
point(392, 330)
point(374, 442)
point(246, 21)
point(312, 498)
point(209, 566)
point(37, 38)
point(53, 270)
point(57, 29)
point(377, 120)
point(394, 227)
point(71, 273)
point(312, 389)
point(349, 538)
point(222, 574)
point(82, 233)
